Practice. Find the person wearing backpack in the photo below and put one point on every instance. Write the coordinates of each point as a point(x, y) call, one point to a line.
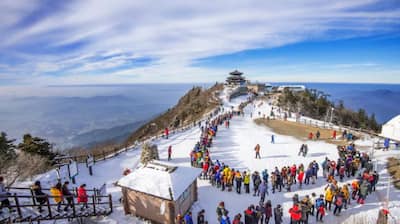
point(338, 203)
point(320, 206)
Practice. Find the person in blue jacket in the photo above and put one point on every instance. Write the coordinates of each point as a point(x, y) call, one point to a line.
point(386, 144)
point(225, 218)
point(188, 218)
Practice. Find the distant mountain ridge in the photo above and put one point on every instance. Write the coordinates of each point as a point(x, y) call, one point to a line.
point(115, 134)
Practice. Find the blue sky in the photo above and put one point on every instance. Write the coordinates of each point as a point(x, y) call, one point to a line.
point(107, 42)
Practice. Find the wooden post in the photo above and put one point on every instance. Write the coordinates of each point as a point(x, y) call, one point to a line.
point(33, 197)
point(17, 204)
point(110, 203)
point(73, 207)
point(48, 207)
point(94, 204)
point(69, 171)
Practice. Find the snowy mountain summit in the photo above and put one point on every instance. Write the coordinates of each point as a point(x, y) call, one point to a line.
point(248, 169)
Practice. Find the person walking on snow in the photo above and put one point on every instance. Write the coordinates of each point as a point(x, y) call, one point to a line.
point(67, 195)
point(310, 136)
point(295, 214)
point(273, 139)
point(166, 133)
point(257, 149)
point(268, 211)
point(317, 135)
point(56, 192)
point(320, 207)
point(239, 180)
point(246, 181)
point(169, 152)
point(82, 196)
point(188, 218)
point(278, 213)
point(200, 217)
point(262, 189)
point(221, 210)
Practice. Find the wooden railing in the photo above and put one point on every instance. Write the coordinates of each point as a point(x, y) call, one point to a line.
point(26, 208)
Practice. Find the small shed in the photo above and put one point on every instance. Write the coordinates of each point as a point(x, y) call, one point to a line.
point(391, 129)
point(159, 191)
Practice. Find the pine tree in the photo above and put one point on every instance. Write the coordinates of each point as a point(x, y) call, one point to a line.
point(36, 146)
point(7, 151)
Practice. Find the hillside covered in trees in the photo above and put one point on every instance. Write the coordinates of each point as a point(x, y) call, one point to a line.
point(33, 155)
point(315, 104)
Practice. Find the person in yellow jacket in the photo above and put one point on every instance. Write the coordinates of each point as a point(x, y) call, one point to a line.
point(224, 180)
point(346, 195)
point(246, 181)
point(328, 198)
point(226, 171)
point(230, 180)
point(56, 192)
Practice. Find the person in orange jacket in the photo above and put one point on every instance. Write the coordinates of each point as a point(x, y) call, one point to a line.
point(257, 149)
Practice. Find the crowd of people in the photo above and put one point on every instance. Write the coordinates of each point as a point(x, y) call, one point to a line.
point(61, 195)
point(226, 178)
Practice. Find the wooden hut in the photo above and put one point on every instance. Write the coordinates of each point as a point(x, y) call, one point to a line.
point(159, 191)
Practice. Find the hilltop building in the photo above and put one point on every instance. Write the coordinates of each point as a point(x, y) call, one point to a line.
point(159, 191)
point(235, 78)
point(391, 129)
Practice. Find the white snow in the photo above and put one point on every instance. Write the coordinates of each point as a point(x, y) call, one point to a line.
point(235, 147)
point(156, 180)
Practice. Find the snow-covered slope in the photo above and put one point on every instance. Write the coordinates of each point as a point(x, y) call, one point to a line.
point(235, 147)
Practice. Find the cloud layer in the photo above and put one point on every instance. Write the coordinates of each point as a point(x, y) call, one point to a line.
point(102, 41)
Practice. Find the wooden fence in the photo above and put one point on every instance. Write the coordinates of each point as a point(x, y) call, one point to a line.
point(26, 206)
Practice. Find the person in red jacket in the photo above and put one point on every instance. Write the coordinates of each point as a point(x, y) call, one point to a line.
point(334, 134)
point(205, 170)
point(166, 132)
point(268, 211)
point(82, 196)
point(300, 178)
point(295, 214)
point(293, 170)
point(237, 218)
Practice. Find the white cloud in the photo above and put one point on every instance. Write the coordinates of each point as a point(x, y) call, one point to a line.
point(173, 34)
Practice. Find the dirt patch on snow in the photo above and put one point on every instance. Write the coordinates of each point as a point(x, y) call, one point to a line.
point(299, 131)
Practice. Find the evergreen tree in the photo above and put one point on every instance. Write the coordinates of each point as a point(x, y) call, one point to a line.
point(7, 151)
point(36, 146)
point(315, 104)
